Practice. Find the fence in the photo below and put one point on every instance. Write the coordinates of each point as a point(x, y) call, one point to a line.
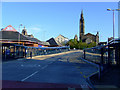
point(105, 56)
point(13, 51)
point(98, 55)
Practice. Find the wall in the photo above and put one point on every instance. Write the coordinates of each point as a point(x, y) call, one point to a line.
point(61, 39)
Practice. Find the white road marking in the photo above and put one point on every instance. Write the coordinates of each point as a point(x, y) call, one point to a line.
point(35, 72)
point(50, 62)
point(71, 88)
point(29, 76)
point(39, 65)
point(20, 59)
point(44, 67)
point(85, 87)
point(30, 65)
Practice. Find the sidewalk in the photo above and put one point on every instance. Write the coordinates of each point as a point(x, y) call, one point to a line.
point(109, 80)
point(42, 57)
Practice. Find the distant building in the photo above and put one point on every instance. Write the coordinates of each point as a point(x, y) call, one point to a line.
point(9, 28)
point(46, 44)
point(24, 32)
point(61, 39)
point(76, 37)
point(31, 36)
point(102, 43)
point(10, 35)
point(88, 38)
point(53, 42)
point(109, 39)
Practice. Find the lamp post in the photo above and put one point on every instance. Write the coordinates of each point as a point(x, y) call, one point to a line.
point(19, 34)
point(113, 21)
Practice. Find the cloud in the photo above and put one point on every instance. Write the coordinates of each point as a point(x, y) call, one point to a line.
point(35, 29)
point(38, 31)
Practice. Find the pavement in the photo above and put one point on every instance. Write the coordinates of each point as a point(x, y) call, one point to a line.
point(109, 79)
point(64, 70)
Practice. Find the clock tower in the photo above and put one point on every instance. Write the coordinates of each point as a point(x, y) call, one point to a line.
point(81, 27)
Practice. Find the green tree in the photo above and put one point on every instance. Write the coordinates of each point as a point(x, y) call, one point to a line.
point(82, 45)
point(73, 43)
point(92, 44)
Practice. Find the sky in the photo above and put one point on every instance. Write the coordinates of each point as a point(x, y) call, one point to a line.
point(49, 19)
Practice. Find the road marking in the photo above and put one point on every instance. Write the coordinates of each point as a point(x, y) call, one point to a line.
point(34, 73)
point(50, 62)
point(71, 88)
point(84, 76)
point(39, 65)
point(85, 87)
point(92, 74)
point(29, 76)
point(44, 67)
point(81, 72)
point(20, 59)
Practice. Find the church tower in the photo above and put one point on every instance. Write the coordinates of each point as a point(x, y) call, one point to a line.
point(81, 27)
point(97, 38)
point(24, 31)
point(76, 37)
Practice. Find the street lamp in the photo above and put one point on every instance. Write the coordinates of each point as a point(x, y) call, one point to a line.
point(113, 21)
point(19, 34)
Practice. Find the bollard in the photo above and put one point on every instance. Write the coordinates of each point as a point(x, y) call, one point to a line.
point(84, 54)
point(102, 53)
point(68, 59)
point(99, 74)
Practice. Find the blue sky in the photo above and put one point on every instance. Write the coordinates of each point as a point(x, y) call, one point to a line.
point(49, 19)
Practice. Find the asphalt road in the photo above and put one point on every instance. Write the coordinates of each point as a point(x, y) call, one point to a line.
point(65, 70)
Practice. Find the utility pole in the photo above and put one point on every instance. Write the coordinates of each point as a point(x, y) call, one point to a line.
point(19, 34)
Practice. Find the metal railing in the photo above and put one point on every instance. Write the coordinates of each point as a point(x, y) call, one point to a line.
point(105, 56)
point(12, 51)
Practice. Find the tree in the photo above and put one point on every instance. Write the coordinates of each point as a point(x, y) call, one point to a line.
point(92, 44)
point(73, 43)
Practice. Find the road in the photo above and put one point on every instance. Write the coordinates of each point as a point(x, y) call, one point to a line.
point(51, 71)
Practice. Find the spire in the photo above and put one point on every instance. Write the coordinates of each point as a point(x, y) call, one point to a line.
point(24, 27)
point(82, 13)
point(81, 26)
point(97, 33)
point(76, 37)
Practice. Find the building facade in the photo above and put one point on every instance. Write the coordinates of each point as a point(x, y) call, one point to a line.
point(61, 39)
point(88, 38)
point(10, 35)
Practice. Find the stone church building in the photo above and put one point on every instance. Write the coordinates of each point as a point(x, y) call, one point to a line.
point(88, 38)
